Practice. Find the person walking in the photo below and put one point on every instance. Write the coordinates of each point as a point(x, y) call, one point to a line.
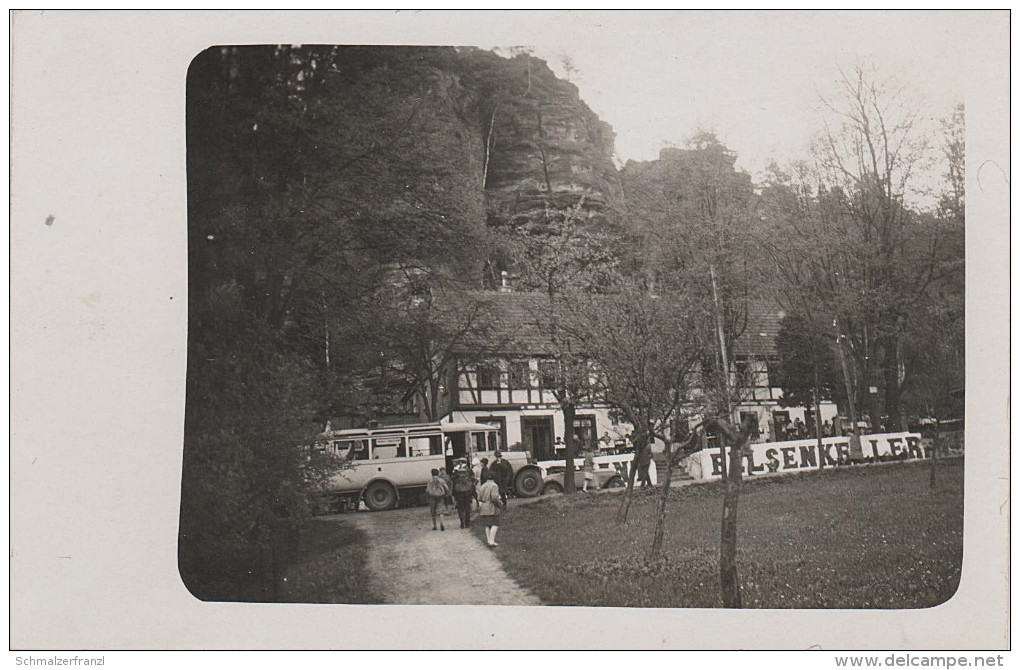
point(445, 476)
point(489, 510)
point(644, 461)
point(437, 491)
point(484, 474)
point(503, 473)
point(589, 471)
point(463, 491)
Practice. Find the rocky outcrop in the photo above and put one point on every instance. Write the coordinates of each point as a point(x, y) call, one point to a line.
point(543, 147)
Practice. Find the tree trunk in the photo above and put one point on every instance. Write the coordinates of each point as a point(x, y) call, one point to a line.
point(639, 448)
point(892, 385)
point(568, 439)
point(728, 543)
point(934, 455)
point(848, 381)
point(818, 412)
point(660, 521)
point(488, 144)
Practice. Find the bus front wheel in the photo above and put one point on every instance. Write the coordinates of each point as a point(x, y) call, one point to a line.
point(528, 482)
point(380, 496)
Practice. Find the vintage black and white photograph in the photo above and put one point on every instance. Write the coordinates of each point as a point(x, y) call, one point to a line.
point(455, 339)
point(511, 329)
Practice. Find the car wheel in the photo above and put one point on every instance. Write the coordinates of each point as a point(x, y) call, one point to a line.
point(380, 496)
point(551, 487)
point(614, 482)
point(528, 483)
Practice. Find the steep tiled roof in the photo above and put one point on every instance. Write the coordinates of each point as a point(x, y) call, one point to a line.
point(759, 337)
point(516, 323)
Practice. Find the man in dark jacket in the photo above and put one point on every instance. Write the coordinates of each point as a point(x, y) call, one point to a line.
point(503, 473)
point(644, 462)
point(463, 491)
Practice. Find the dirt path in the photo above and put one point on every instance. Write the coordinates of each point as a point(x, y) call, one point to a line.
point(412, 564)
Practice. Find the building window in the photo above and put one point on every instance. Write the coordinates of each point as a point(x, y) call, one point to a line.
point(520, 375)
point(487, 376)
point(547, 373)
point(751, 372)
point(771, 371)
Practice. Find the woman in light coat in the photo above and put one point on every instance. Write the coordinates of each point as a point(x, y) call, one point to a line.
point(489, 509)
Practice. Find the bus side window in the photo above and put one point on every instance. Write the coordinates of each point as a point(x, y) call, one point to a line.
point(479, 441)
point(494, 442)
point(353, 450)
point(389, 447)
point(435, 445)
point(419, 445)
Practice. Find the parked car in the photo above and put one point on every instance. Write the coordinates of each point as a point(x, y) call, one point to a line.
point(553, 480)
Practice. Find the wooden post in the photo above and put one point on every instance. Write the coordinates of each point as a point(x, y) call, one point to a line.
point(818, 409)
point(935, 453)
point(851, 401)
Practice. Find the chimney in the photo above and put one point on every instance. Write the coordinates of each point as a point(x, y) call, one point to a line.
point(504, 286)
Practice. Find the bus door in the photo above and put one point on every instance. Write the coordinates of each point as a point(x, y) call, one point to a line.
point(456, 447)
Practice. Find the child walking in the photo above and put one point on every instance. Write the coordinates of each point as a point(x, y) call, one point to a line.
point(437, 491)
point(589, 471)
point(490, 506)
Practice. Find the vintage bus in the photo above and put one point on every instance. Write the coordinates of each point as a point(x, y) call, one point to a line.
point(385, 462)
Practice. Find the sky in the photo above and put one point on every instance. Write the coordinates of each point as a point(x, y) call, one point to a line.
point(753, 78)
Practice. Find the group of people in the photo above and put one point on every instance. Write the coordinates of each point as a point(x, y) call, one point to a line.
point(485, 486)
point(798, 430)
point(604, 445)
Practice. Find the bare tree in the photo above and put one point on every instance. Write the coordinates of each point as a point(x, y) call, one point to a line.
point(646, 350)
point(674, 453)
point(557, 255)
point(869, 158)
point(423, 327)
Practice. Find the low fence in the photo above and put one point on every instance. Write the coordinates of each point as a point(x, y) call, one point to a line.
point(799, 455)
point(619, 462)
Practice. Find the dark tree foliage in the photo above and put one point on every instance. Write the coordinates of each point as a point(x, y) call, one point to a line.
point(799, 345)
point(316, 175)
point(690, 212)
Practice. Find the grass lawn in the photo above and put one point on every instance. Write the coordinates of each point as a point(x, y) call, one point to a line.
point(861, 537)
point(330, 566)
